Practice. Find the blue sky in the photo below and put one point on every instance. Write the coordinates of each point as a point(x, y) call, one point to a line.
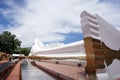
point(55, 21)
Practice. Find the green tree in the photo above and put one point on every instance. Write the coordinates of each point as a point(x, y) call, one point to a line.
point(24, 51)
point(8, 42)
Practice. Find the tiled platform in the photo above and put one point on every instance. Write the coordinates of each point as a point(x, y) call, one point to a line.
point(70, 72)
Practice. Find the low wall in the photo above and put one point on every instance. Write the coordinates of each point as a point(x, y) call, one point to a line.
point(68, 62)
point(5, 71)
point(6, 68)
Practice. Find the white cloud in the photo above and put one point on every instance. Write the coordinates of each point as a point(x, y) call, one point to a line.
point(118, 28)
point(48, 20)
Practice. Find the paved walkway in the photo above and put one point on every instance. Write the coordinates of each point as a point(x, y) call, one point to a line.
point(30, 72)
point(72, 72)
point(3, 61)
point(15, 74)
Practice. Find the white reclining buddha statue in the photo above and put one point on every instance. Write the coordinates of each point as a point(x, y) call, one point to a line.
point(101, 45)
